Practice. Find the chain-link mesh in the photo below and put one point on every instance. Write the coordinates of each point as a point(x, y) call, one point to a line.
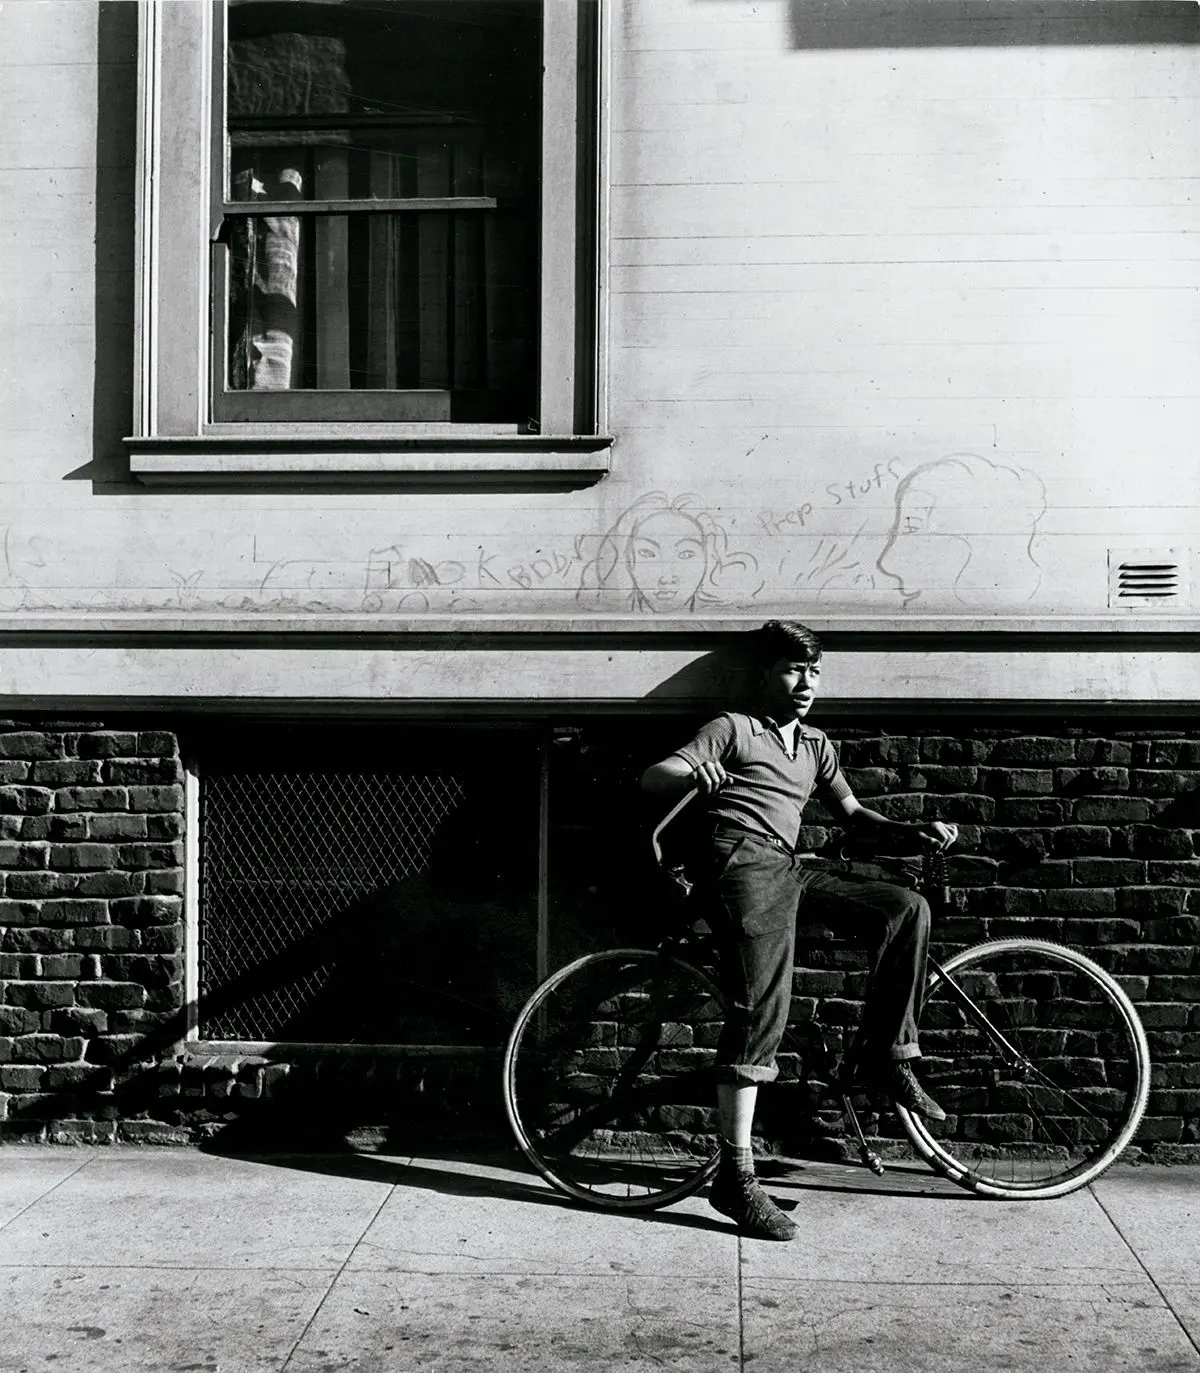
point(284, 853)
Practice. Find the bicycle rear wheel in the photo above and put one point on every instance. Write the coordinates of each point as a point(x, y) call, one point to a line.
point(608, 1083)
point(1041, 1064)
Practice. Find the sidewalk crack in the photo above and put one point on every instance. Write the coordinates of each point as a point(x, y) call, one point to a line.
point(320, 1306)
point(47, 1193)
point(1166, 1301)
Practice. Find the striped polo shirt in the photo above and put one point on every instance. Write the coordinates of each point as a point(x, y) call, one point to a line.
point(767, 789)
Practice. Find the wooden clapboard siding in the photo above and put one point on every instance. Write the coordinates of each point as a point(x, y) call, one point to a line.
point(828, 268)
point(836, 240)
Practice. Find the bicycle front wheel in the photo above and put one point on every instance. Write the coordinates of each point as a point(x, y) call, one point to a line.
point(608, 1083)
point(1039, 1059)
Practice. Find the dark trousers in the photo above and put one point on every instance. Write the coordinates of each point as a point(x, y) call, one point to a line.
point(758, 889)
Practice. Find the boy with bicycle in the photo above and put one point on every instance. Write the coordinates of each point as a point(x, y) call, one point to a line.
point(757, 771)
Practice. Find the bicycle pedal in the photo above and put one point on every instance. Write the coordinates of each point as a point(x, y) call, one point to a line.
point(872, 1161)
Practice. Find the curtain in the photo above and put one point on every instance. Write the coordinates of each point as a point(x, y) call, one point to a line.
point(436, 300)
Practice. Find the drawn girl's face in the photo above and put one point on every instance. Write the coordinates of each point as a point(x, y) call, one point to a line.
point(667, 559)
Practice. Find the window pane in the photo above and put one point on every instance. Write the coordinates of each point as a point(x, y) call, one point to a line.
point(368, 103)
point(432, 301)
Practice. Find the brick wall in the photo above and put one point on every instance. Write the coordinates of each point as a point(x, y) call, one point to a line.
point(1088, 835)
point(91, 927)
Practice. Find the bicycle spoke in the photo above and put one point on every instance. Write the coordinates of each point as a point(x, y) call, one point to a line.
point(607, 1078)
point(1040, 1064)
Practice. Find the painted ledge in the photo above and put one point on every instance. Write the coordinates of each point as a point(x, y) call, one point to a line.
point(441, 459)
point(551, 677)
point(1001, 632)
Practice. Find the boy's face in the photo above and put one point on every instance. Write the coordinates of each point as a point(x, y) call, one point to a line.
point(789, 687)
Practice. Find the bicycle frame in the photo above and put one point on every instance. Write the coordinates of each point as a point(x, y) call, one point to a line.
point(1061, 1127)
point(1012, 1056)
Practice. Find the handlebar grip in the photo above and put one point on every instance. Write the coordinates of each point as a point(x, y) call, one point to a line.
point(937, 873)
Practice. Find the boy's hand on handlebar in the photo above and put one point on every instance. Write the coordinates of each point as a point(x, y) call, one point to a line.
point(709, 777)
point(937, 834)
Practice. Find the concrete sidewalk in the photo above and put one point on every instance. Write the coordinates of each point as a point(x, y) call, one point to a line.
point(183, 1262)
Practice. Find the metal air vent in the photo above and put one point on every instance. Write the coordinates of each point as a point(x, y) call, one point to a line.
point(1147, 577)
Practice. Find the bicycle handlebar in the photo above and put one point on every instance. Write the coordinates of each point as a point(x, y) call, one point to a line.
point(684, 800)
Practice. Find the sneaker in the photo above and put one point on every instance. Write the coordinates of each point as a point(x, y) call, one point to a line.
point(904, 1089)
point(898, 1082)
point(738, 1196)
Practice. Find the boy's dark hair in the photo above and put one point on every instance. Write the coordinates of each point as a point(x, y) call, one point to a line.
point(787, 639)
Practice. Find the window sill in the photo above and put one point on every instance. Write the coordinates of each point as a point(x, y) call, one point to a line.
point(339, 460)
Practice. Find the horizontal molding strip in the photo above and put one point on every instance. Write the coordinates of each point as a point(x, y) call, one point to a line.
point(547, 678)
point(1064, 632)
point(332, 459)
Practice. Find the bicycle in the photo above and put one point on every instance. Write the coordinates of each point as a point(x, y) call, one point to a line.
point(1034, 1051)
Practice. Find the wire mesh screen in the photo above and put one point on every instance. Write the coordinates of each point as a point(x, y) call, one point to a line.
point(354, 906)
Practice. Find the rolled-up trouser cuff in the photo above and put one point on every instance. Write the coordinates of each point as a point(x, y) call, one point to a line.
point(746, 1074)
point(902, 1052)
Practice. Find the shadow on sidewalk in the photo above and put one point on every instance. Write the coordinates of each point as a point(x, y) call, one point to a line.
point(900, 1180)
point(448, 1181)
point(786, 1179)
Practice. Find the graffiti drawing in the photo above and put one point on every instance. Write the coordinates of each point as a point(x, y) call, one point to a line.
point(667, 555)
point(187, 588)
point(835, 563)
point(965, 529)
point(13, 587)
point(396, 581)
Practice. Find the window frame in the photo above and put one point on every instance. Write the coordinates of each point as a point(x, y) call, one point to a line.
point(180, 212)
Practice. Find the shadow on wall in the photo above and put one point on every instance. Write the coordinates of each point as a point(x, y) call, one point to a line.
point(116, 152)
point(999, 23)
point(720, 680)
point(441, 959)
point(438, 950)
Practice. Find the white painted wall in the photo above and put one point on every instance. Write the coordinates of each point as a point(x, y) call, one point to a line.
point(908, 333)
point(835, 269)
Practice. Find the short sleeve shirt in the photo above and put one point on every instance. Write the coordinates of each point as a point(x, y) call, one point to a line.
point(767, 789)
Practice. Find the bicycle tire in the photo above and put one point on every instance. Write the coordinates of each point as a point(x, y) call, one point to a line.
point(607, 1079)
point(1051, 1112)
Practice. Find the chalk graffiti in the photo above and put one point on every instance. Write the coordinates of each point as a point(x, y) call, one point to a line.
point(13, 587)
point(836, 563)
point(301, 584)
point(853, 491)
point(958, 531)
point(965, 528)
point(667, 555)
point(187, 588)
point(541, 568)
point(394, 580)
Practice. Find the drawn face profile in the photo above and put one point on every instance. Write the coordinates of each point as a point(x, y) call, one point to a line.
point(964, 532)
point(667, 559)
